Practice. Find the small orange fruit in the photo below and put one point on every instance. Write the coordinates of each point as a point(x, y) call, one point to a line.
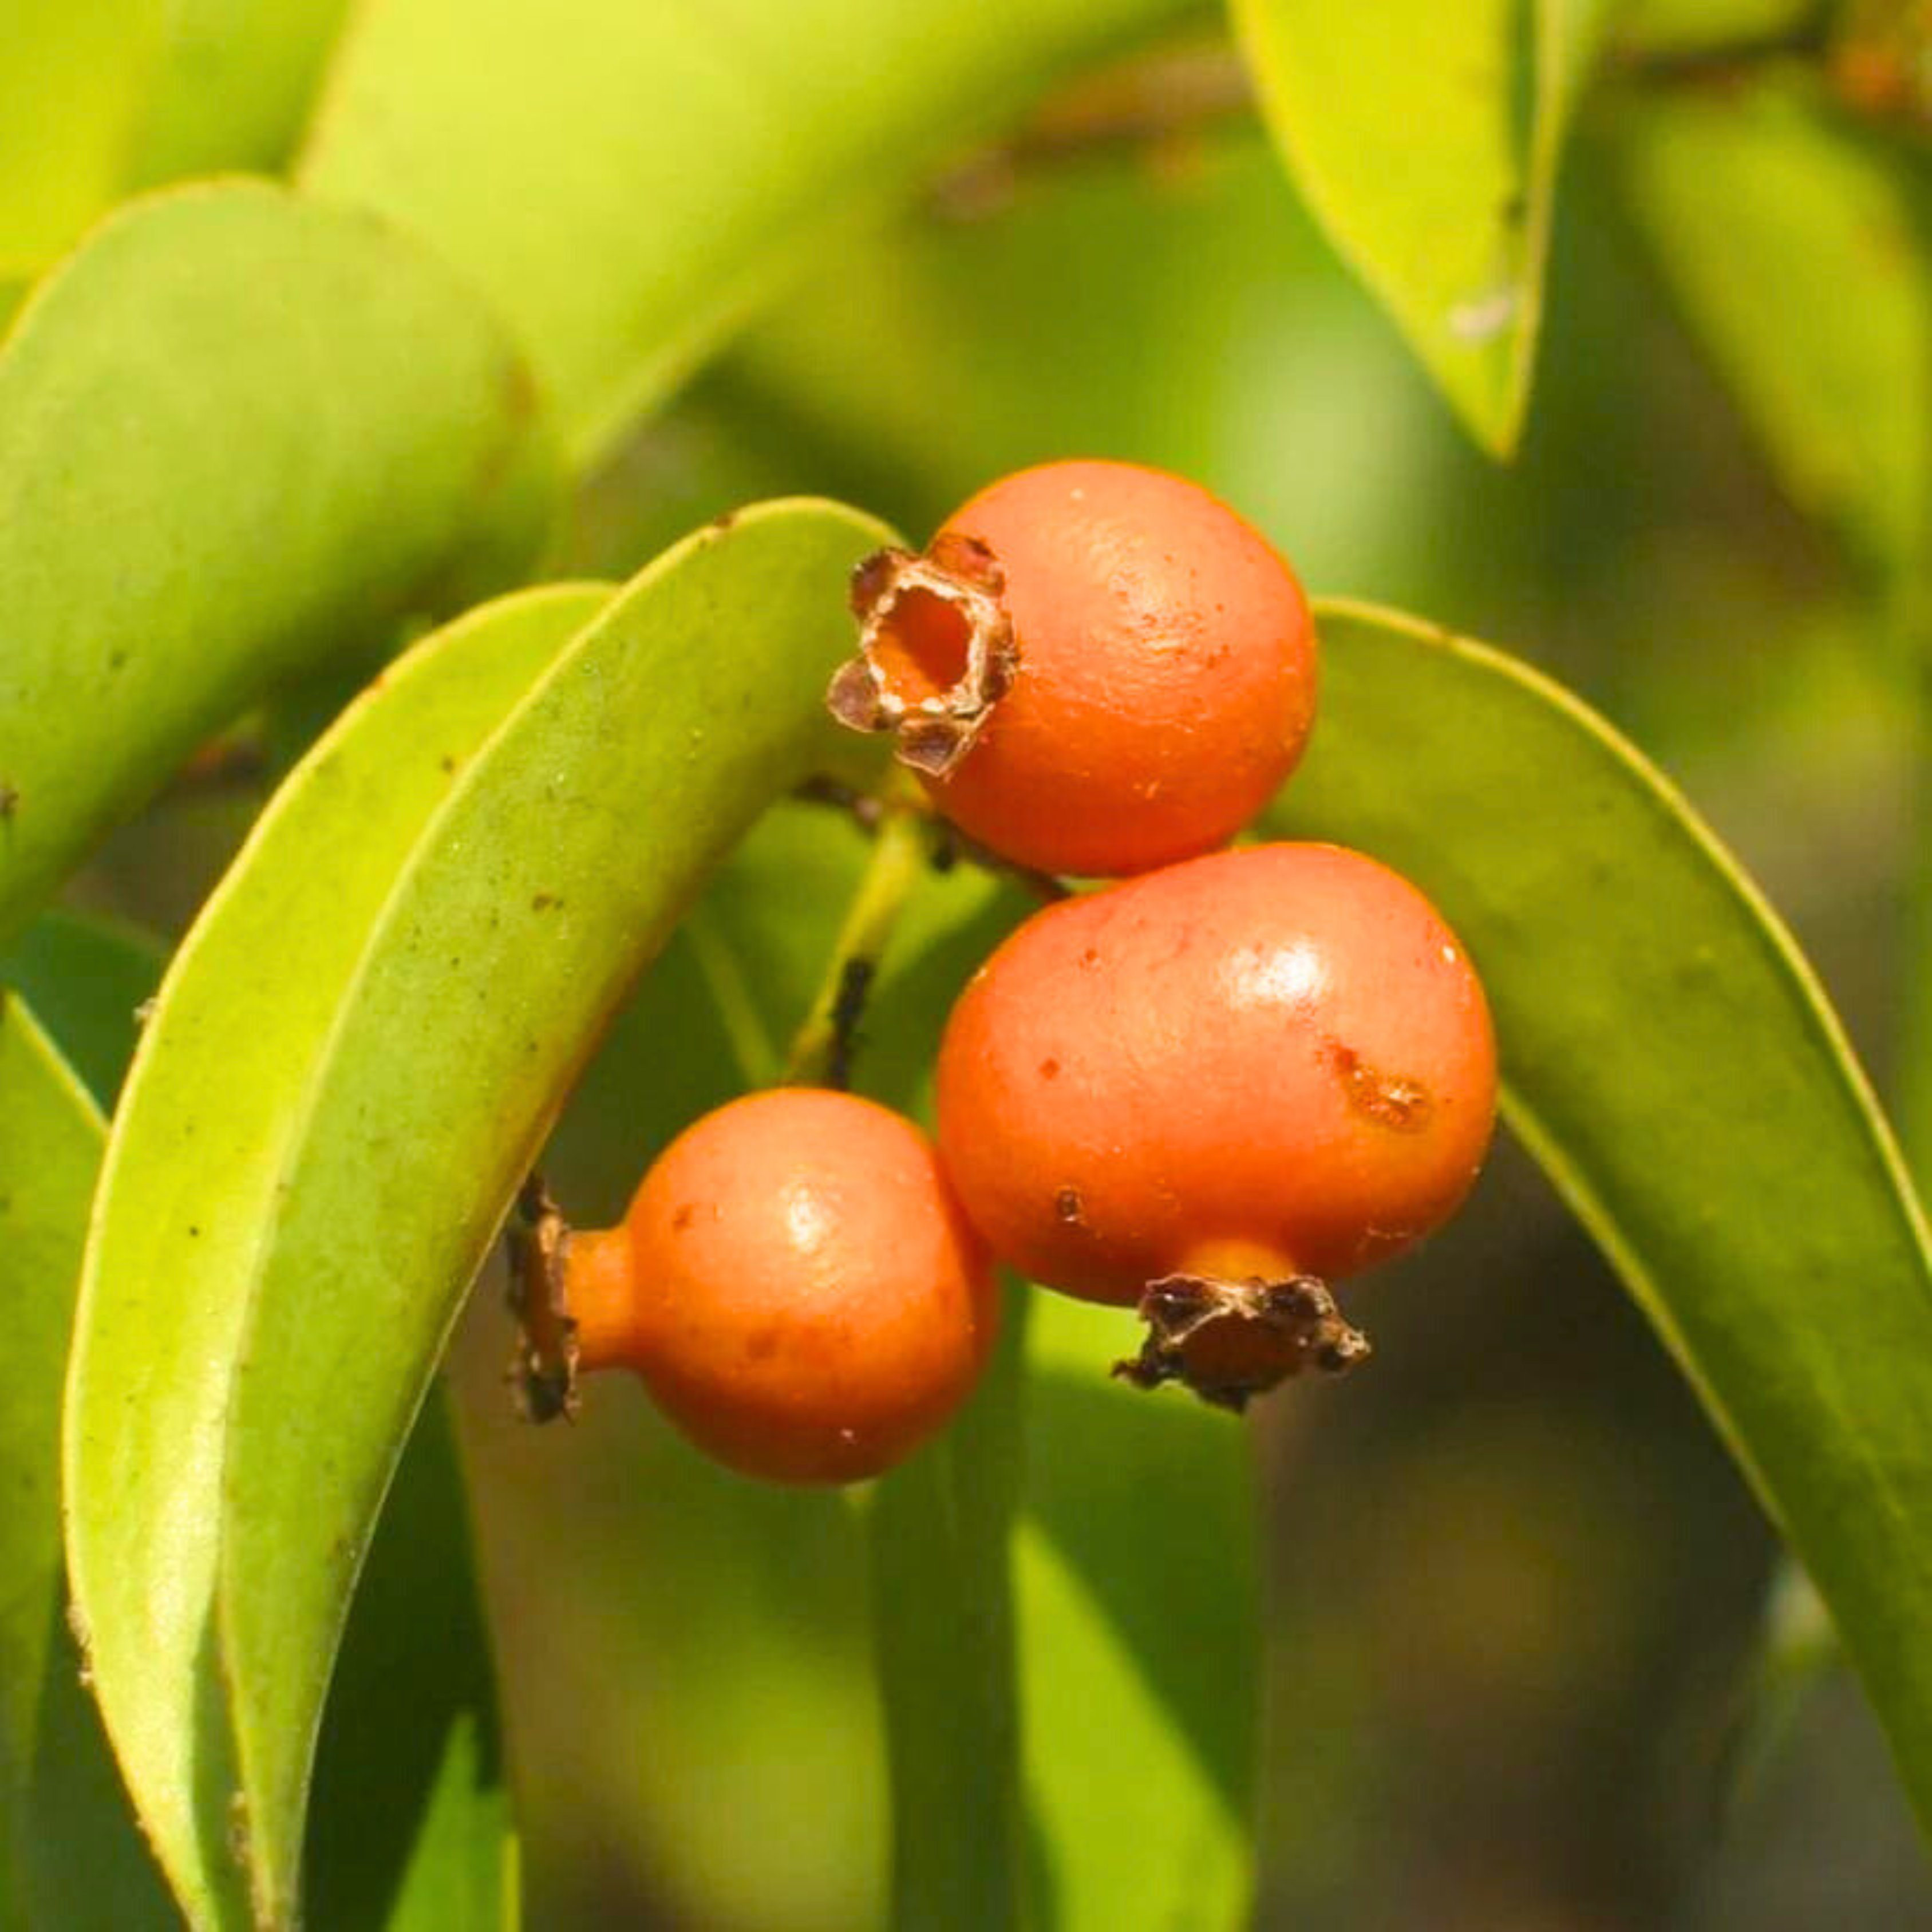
point(1096, 668)
point(796, 1284)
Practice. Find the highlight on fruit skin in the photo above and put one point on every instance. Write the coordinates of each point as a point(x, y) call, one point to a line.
point(1095, 668)
point(1210, 1092)
point(794, 1281)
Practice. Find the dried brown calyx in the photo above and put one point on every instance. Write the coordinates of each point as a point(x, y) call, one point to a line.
point(1230, 1341)
point(542, 1372)
point(937, 650)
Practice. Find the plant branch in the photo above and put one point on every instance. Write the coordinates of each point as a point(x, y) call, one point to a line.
point(821, 1052)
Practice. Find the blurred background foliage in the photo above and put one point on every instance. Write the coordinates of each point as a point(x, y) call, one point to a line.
point(1521, 1676)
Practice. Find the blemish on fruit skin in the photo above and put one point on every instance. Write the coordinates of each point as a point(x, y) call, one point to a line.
point(1066, 1204)
point(1396, 1101)
point(1049, 1069)
point(685, 1216)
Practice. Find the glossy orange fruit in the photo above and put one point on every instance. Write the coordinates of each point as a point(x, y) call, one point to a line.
point(796, 1284)
point(1097, 668)
point(1262, 1066)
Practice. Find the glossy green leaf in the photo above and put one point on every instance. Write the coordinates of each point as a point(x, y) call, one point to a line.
point(554, 872)
point(237, 434)
point(1735, 189)
point(1673, 1065)
point(942, 1528)
point(234, 85)
point(70, 1855)
point(1140, 1622)
point(73, 75)
point(1406, 129)
point(86, 979)
point(412, 1826)
point(626, 178)
point(218, 1091)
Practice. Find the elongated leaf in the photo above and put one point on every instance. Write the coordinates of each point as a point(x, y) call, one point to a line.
point(412, 1828)
point(233, 85)
point(216, 1094)
point(237, 434)
point(1140, 1622)
point(554, 872)
point(1673, 1065)
point(70, 1855)
point(626, 178)
point(74, 74)
point(1403, 126)
point(1734, 188)
point(942, 1530)
point(86, 979)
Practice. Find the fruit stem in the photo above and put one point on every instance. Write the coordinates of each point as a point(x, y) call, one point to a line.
point(821, 1052)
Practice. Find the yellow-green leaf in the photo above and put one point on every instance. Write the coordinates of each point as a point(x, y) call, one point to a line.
point(626, 179)
point(70, 1856)
point(73, 77)
point(1746, 194)
point(238, 434)
point(1426, 139)
point(1672, 1063)
point(218, 1089)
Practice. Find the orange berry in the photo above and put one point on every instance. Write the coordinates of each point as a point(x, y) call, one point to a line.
point(796, 1284)
point(1261, 1066)
point(1096, 668)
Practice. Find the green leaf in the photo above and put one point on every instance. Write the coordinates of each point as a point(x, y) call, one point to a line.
point(626, 179)
point(86, 978)
point(942, 1528)
point(1702, 26)
point(413, 1830)
point(1405, 128)
point(1140, 1622)
point(1735, 188)
point(74, 74)
point(554, 872)
point(1673, 1065)
point(217, 1093)
point(70, 1856)
point(238, 433)
point(233, 86)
